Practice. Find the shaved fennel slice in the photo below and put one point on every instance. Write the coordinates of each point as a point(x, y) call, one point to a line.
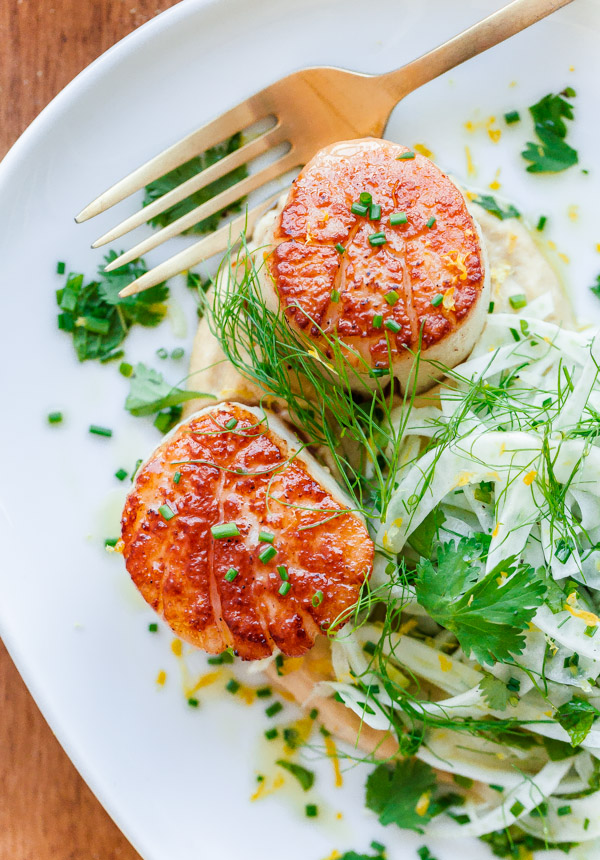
point(525, 796)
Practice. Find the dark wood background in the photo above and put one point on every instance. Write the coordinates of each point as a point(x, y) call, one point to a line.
point(46, 810)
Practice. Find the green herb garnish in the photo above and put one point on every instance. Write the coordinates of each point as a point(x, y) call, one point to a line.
point(552, 154)
point(394, 793)
point(149, 393)
point(490, 204)
point(304, 776)
point(186, 171)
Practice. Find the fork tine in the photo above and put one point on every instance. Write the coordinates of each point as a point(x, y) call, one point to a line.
point(220, 168)
point(212, 206)
point(198, 141)
point(213, 244)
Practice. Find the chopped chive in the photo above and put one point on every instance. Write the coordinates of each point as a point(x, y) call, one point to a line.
point(192, 702)
point(231, 574)
point(313, 714)
point(231, 424)
point(271, 734)
point(335, 296)
point(60, 268)
point(317, 598)
point(153, 627)
point(121, 474)
point(178, 353)
point(111, 541)
point(162, 353)
point(220, 659)
point(232, 686)
point(491, 307)
point(374, 212)
point(370, 648)
point(377, 372)
point(311, 810)
point(391, 297)
point(547, 402)
point(514, 685)
point(292, 738)
point(266, 537)
point(94, 325)
point(112, 356)
point(541, 223)
point(392, 325)
point(284, 588)
point(266, 554)
point(514, 333)
point(55, 417)
point(518, 301)
point(138, 463)
point(397, 218)
point(125, 369)
point(590, 631)
point(377, 846)
point(305, 777)
point(340, 248)
point(405, 156)
point(376, 239)
point(499, 788)
point(377, 321)
point(282, 571)
point(365, 198)
point(517, 808)
point(166, 512)
point(512, 116)
point(430, 222)
point(177, 477)
point(264, 692)
point(274, 709)
point(359, 209)
point(437, 300)
point(100, 431)
point(563, 810)
point(225, 530)
point(464, 781)
point(586, 823)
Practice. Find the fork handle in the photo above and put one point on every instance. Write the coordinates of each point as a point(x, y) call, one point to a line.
point(501, 25)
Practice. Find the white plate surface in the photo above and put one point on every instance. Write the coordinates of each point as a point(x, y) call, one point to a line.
point(177, 780)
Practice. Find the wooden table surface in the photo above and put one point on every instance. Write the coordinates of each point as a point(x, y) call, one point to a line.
point(46, 810)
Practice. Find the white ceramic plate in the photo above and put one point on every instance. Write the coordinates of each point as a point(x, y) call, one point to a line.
point(177, 780)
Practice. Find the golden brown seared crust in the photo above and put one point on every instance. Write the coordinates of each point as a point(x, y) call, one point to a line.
point(244, 476)
point(418, 262)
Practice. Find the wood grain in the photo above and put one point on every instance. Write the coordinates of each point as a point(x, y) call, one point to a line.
point(46, 810)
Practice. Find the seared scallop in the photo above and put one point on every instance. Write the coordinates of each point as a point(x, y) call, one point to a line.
point(239, 538)
point(375, 247)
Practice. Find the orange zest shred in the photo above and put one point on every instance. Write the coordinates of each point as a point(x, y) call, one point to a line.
point(332, 753)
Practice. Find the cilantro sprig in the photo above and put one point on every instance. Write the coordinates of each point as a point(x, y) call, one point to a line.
point(401, 795)
point(490, 204)
point(577, 718)
point(150, 393)
point(98, 319)
point(191, 168)
point(487, 613)
point(551, 154)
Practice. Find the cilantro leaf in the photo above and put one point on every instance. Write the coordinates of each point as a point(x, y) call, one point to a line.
point(552, 154)
point(495, 692)
point(191, 168)
point(304, 776)
point(97, 318)
point(149, 392)
point(490, 204)
point(488, 614)
point(577, 717)
point(394, 793)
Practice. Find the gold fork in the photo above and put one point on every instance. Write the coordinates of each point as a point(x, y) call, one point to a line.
point(311, 108)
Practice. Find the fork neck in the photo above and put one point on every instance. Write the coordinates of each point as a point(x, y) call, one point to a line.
point(501, 25)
